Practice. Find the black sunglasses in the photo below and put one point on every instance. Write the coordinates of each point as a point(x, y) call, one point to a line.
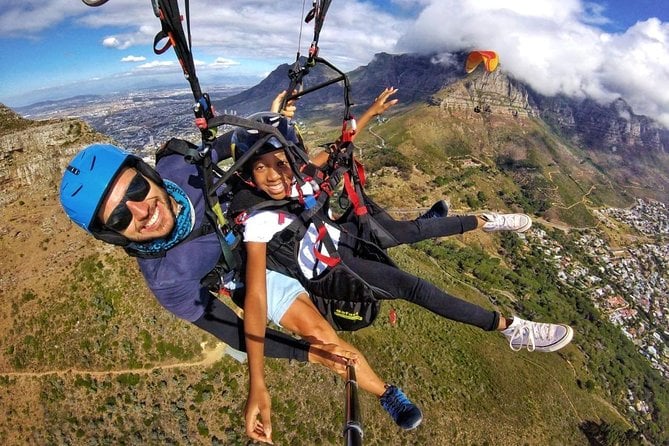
point(137, 190)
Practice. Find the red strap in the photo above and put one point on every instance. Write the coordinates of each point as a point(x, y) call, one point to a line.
point(241, 218)
point(201, 123)
point(361, 172)
point(325, 187)
point(329, 261)
point(358, 207)
point(300, 194)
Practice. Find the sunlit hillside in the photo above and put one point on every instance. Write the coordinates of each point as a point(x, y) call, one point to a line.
point(88, 357)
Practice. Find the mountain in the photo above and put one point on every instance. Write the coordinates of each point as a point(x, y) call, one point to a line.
point(607, 128)
point(33, 153)
point(630, 150)
point(10, 121)
point(258, 97)
point(80, 99)
point(87, 355)
point(417, 77)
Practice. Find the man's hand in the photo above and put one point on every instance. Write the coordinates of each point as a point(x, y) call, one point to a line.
point(332, 356)
point(288, 111)
point(257, 415)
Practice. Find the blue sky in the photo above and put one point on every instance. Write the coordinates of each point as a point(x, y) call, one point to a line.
point(602, 49)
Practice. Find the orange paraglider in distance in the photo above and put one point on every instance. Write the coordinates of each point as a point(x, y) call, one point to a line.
point(392, 317)
point(489, 58)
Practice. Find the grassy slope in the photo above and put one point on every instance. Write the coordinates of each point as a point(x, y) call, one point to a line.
point(76, 312)
point(471, 387)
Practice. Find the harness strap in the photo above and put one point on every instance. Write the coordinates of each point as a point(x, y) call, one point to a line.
point(204, 229)
point(184, 148)
point(359, 207)
point(360, 172)
point(241, 218)
point(324, 238)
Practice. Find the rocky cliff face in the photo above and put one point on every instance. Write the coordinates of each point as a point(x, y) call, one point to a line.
point(609, 128)
point(417, 78)
point(39, 243)
point(34, 153)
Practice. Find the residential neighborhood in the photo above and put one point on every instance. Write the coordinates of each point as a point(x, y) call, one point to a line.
point(628, 284)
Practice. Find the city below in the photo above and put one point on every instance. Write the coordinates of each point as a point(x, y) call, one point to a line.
point(139, 122)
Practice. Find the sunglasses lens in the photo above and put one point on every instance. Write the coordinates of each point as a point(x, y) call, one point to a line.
point(137, 190)
point(120, 218)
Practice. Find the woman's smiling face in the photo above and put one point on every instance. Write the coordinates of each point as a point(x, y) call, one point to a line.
point(272, 174)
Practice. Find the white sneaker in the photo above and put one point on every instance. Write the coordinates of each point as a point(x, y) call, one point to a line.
point(537, 336)
point(506, 222)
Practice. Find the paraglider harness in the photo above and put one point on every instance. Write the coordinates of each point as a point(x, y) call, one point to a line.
point(350, 303)
point(355, 305)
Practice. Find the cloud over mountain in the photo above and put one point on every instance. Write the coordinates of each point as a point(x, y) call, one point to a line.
point(556, 46)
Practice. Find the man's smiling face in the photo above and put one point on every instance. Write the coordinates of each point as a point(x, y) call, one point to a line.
point(138, 212)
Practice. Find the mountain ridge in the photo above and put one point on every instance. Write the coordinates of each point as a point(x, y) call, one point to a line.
point(419, 77)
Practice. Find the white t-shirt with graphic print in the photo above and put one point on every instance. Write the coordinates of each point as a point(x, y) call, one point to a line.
point(262, 225)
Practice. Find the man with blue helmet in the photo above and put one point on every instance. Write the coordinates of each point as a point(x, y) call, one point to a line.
point(118, 198)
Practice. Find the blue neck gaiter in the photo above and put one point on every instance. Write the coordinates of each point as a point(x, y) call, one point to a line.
point(184, 223)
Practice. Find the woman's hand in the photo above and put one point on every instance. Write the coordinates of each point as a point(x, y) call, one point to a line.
point(381, 103)
point(257, 414)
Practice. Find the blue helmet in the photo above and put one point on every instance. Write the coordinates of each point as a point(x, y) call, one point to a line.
point(243, 139)
point(86, 181)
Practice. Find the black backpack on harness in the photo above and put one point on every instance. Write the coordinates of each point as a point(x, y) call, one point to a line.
point(351, 302)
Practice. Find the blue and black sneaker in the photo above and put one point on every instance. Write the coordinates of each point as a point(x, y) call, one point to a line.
point(439, 209)
point(405, 413)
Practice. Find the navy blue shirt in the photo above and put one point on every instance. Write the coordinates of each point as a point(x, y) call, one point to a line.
point(175, 278)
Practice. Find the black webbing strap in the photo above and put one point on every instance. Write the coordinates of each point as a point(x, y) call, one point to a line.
point(173, 33)
point(170, 19)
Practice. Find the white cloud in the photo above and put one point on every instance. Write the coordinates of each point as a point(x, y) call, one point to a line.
point(157, 65)
point(26, 17)
point(133, 59)
point(553, 46)
point(111, 42)
point(118, 42)
point(556, 46)
point(222, 62)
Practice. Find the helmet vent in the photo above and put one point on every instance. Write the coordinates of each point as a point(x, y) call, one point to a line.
point(77, 190)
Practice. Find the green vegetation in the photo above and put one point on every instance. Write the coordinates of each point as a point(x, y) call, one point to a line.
point(387, 157)
point(92, 358)
point(450, 369)
point(12, 122)
point(91, 309)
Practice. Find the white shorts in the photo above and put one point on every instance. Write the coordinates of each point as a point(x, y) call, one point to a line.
point(282, 291)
